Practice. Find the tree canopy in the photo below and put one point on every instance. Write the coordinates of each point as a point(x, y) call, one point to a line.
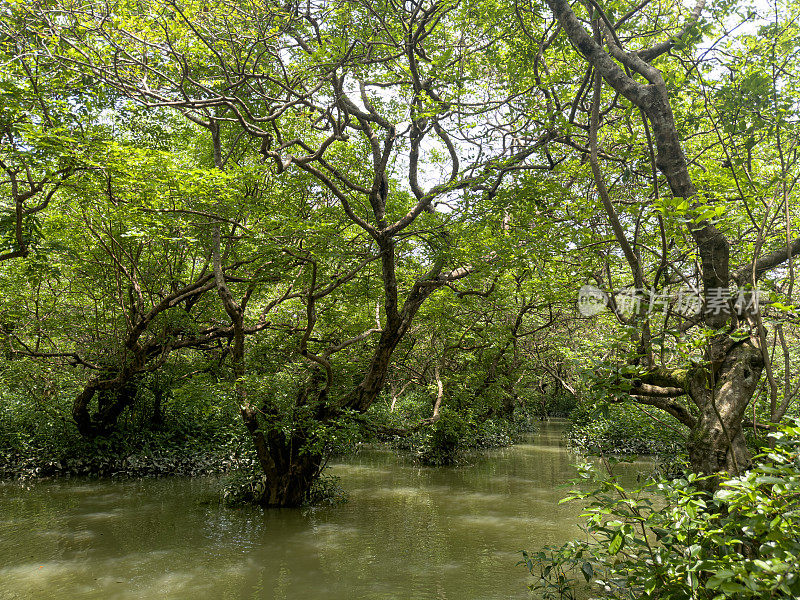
point(318, 207)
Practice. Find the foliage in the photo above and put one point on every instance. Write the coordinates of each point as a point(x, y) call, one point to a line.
point(554, 570)
point(196, 433)
point(458, 429)
point(560, 405)
point(673, 539)
point(624, 429)
point(442, 442)
point(245, 485)
point(327, 490)
point(288, 213)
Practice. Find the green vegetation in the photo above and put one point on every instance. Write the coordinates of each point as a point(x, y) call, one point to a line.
point(624, 429)
point(673, 539)
point(247, 237)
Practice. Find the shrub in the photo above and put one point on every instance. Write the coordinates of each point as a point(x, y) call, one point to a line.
point(623, 429)
point(673, 540)
point(442, 442)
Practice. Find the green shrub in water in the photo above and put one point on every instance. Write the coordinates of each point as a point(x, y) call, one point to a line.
point(327, 491)
point(624, 429)
point(244, 486)
point(442, 442)
point(672, 540)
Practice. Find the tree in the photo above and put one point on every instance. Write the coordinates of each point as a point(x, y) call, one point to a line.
point(722, 384)
point(42, 143)
point(330, 166)
point(359, 98)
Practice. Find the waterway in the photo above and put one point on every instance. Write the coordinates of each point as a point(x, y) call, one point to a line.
point(406, 533)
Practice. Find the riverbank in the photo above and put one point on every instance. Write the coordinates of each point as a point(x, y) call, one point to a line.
point(175, 454)
point(200, 449)
point(149, 454)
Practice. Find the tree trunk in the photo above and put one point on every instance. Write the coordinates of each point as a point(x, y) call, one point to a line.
point(716, 442)
point(289, 485)
point(289, 469)
point(112, 400)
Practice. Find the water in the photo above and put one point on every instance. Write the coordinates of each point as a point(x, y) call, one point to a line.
point(406, 533)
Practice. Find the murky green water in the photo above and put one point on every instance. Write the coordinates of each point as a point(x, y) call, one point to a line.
point(406, 533)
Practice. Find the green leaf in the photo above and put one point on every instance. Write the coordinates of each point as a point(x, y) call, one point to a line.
point(616, 543)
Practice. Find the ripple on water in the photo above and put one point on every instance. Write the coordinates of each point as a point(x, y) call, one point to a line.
point(103, 515)
point(358, 470)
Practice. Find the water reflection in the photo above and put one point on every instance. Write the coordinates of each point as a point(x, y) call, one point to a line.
point(407, 532)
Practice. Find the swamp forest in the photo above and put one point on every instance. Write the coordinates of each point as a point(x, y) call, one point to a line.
point(399, 299)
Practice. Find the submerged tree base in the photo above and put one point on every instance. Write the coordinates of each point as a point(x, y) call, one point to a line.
point(250, 487)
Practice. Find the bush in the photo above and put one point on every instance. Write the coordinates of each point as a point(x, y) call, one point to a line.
point(199, 432)
point(326, 490)
point(624, 429)
point(243, 486)
point(442, 442)
point(673, 540)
